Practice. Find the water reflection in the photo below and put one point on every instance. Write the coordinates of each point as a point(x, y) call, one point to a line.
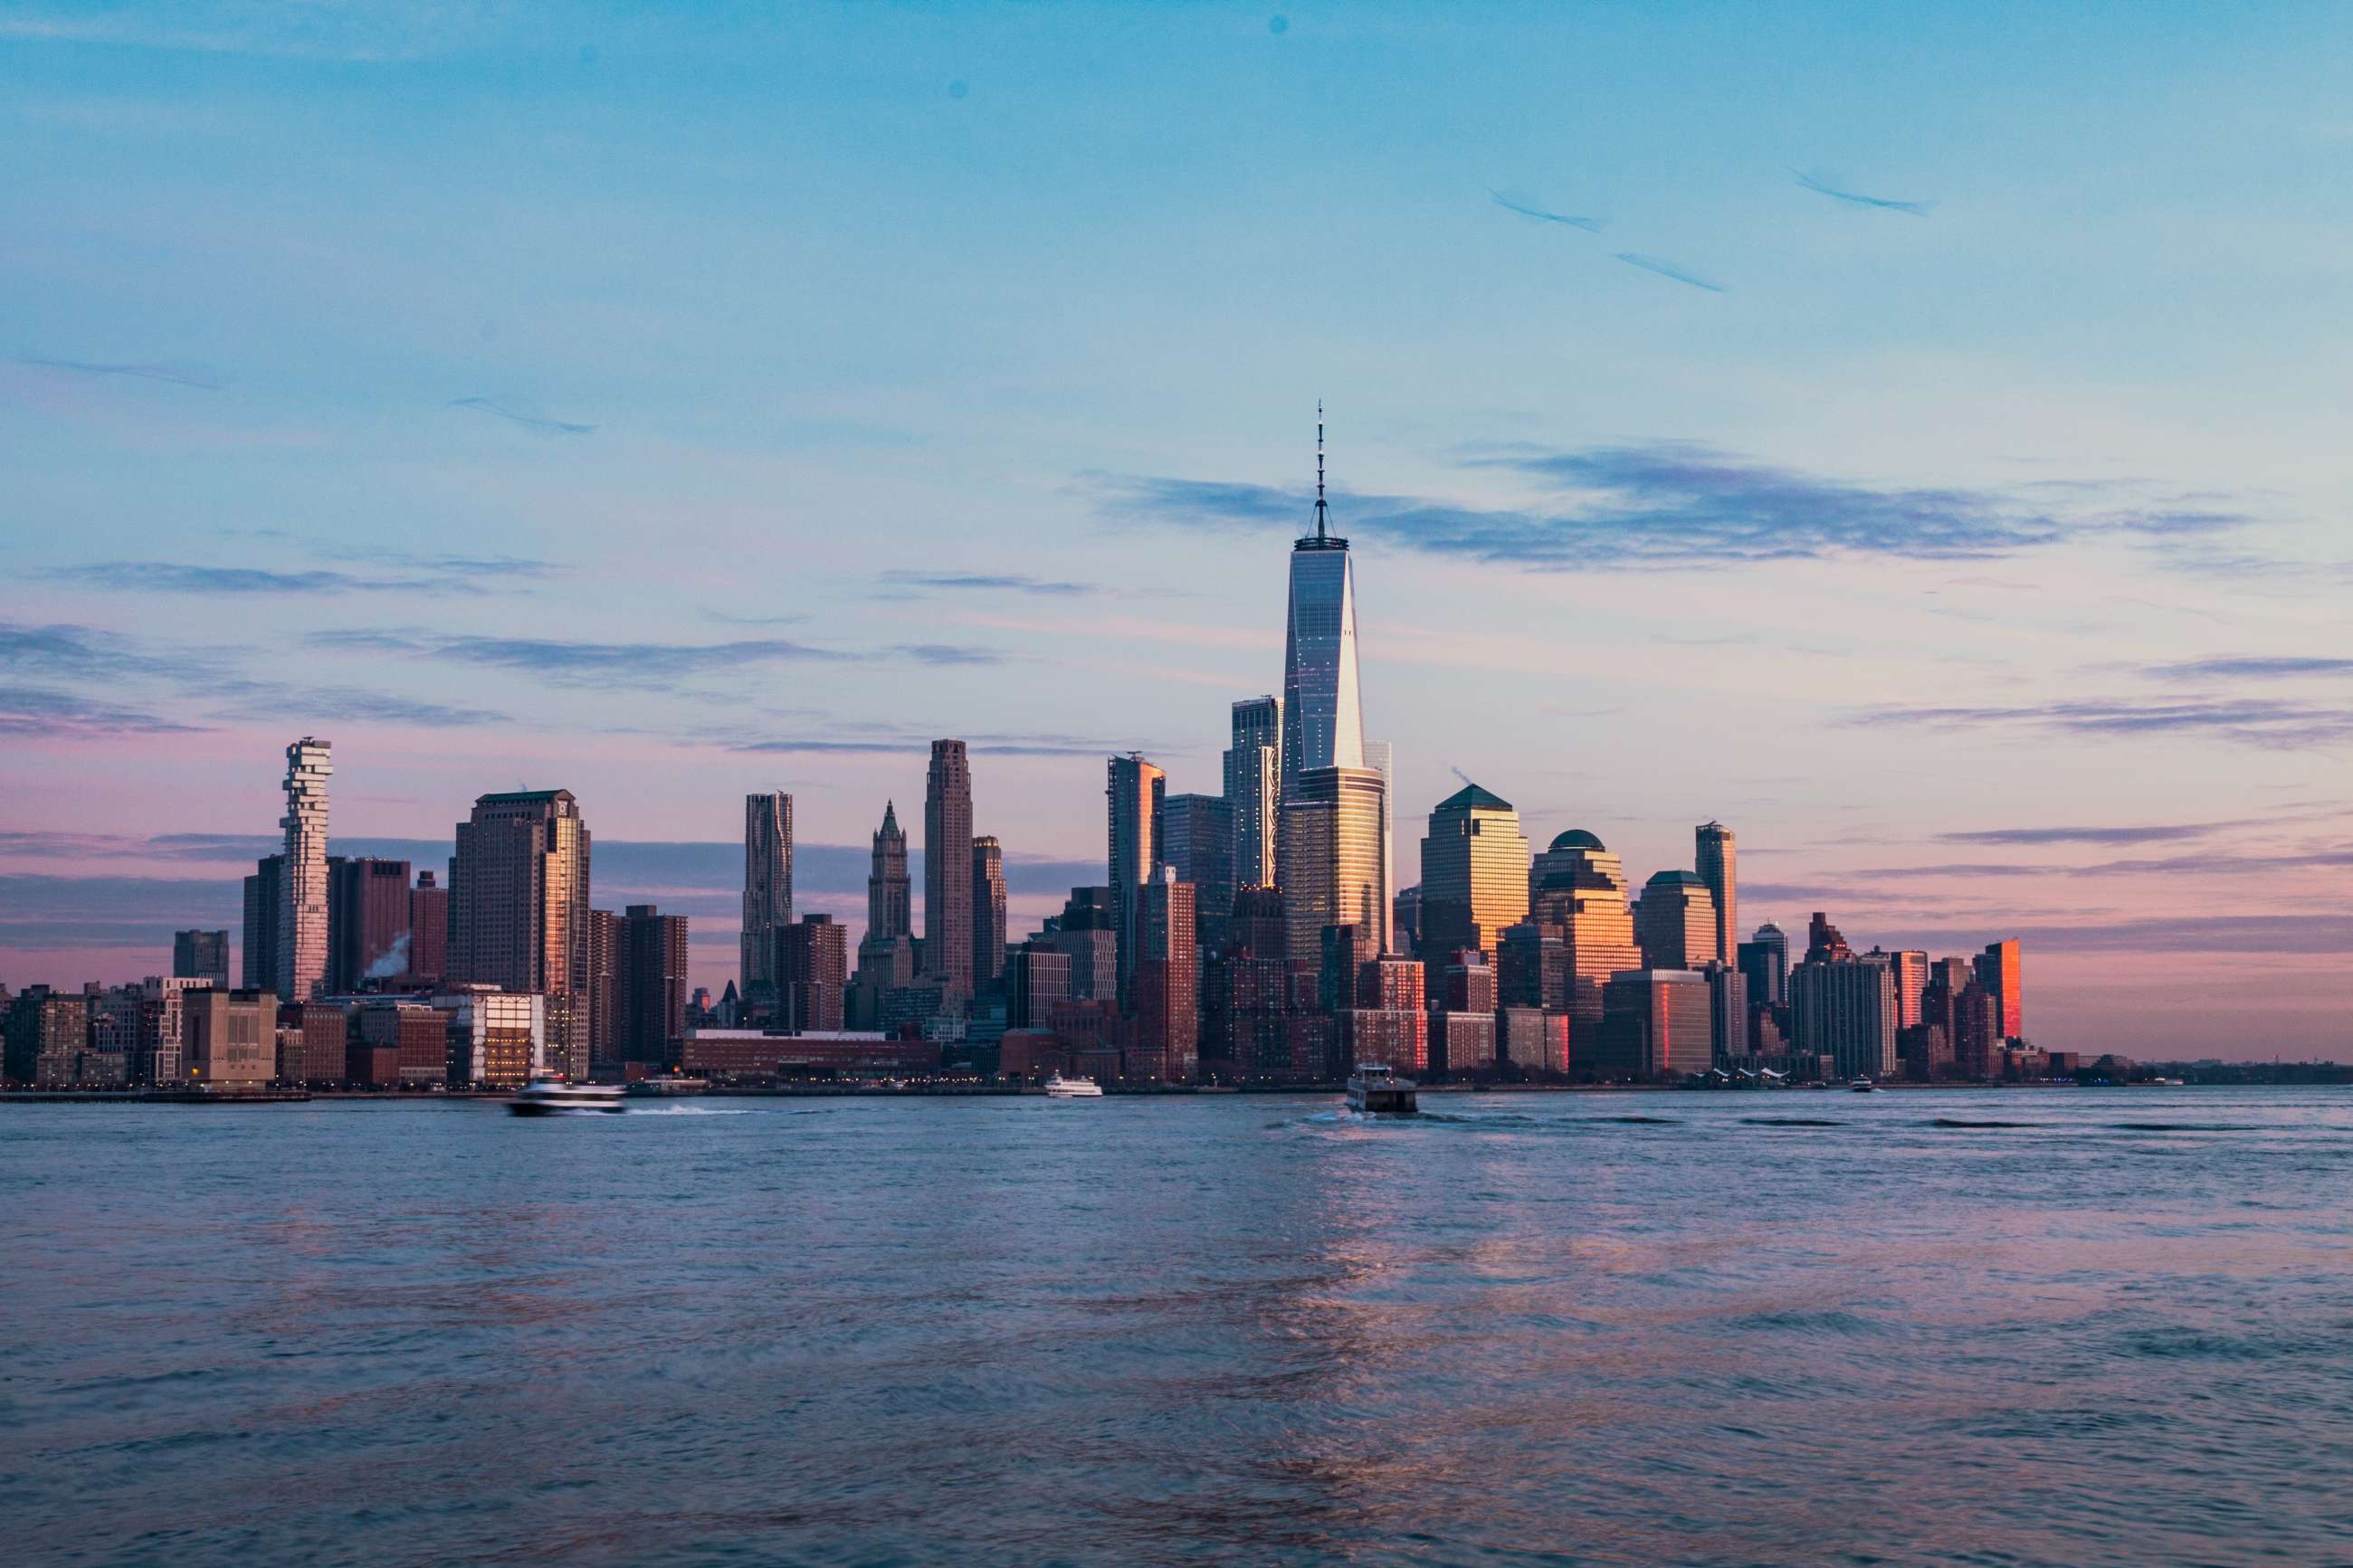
point(1015, 1332)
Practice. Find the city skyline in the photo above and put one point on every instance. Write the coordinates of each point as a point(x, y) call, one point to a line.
point(1935, 554)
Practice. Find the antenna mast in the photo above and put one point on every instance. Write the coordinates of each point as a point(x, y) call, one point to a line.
point(1319, 469)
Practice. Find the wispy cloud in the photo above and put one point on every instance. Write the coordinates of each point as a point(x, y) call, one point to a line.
point(404, 575)
point(44, 712)
point(948, 653)
point(2244, 721)
point(639, 664)
point(2155, 832)
point(2253, 668)
point(1657, 505)
point(1821, 183)
point(981, 582)
point(1668, 269)
point(1511, 203)
point(177, 374)
point(854, 739)
point(532, 422)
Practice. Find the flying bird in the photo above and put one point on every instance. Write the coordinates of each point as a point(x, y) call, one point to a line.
point(178, 376)
point(1589, 225)
point(1667, 269)
point(1885, 203)
point(529, 422)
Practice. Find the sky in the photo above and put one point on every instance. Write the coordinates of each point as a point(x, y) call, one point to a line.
point(1912, 435)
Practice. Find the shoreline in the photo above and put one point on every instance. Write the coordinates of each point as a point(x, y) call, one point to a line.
point(978, 1091)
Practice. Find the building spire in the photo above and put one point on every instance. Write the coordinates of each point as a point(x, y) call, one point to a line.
point(1320, 532)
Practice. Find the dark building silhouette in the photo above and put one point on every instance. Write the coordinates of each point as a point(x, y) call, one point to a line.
point(812, 970)
point(650, 984)
point(947, 872)
point(369, 916)
point(429, 929)
point(201, 955)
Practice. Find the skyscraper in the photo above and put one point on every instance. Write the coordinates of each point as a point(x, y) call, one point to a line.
point(201, 955)
point(1381, 757)
point(1332, 822)
point(947, 871)
point(888, 897)
point(1998, 971)
point(1197, 839)
point(812, 964)
point(1655, 1022)
point(1579, 886)
point(987, 912)
point(1844, 1008)
point(265, 897)
point(1168, 980)
point(1675, 923)
point(1474, 874)
point(1254, 788)
point(1911, 967)
point(368, 921)
point(302, 889)
point(429, 929)
point(1718, 865)
point(767, 887)
point(519, 909)
point(649, 985)
point(1133, 791)
point(1323, 715)
point(1764, 958)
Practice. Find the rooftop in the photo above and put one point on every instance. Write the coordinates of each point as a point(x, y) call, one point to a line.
point(1577, 838)
point(1470, 798)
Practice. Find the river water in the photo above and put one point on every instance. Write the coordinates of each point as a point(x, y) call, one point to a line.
point(2021, 1327)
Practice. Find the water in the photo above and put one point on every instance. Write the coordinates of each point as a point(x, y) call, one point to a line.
point(2064, 1327)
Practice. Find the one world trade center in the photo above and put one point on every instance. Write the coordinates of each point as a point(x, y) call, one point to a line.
point(1332, 853)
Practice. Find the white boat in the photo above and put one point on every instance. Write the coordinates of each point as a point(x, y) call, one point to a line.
point(1374, 1087)
point(1060, 1087)
point(1863, 1086)
point(553, 1097)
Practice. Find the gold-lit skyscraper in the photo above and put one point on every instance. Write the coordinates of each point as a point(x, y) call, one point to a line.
point(1332, 859)
point(1474, 874)
point(302, 968)
point(987, 911)
point(1718, 860)
point(518, 910)
point(1134, 790)
point(1578, 886)
point(1676, 924)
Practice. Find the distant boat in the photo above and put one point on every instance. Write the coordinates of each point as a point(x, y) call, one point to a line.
point(1863, 1086)
point(1060, 1087)
point(553, 1097)
point(669, 1083)
point(1374, 1087)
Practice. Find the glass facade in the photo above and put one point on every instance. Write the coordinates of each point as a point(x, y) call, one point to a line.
point(1474, 874)
point(1254, 777)
point(1323, 715)
point(1331, 858)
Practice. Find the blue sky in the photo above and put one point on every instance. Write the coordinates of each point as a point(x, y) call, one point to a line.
point(668, 405)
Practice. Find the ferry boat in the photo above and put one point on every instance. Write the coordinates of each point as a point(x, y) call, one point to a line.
point(1374, 1087)
point(1060, 1087)
point(1863, 1086)
point(553, 1097)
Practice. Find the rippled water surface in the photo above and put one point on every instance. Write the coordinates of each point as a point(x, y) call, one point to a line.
point(2064, 1327)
